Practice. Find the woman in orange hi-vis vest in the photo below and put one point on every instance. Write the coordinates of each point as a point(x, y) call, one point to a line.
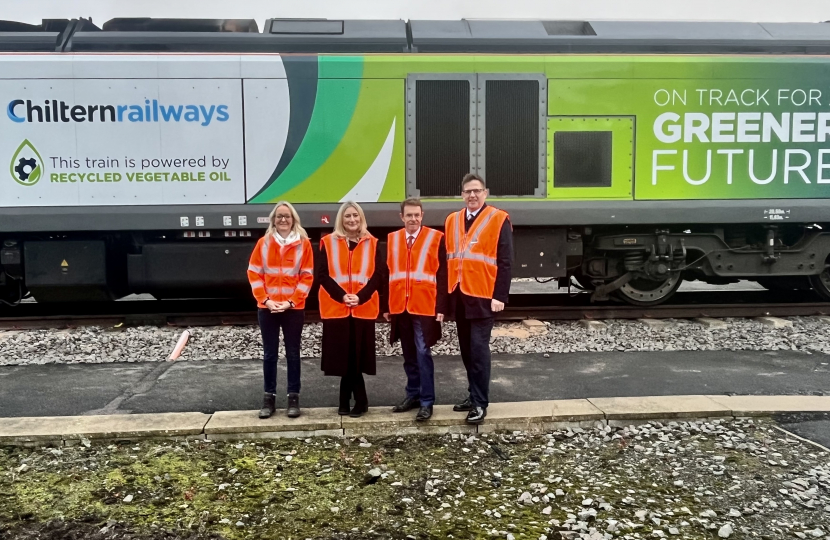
point(281, 271)
point(349, 274)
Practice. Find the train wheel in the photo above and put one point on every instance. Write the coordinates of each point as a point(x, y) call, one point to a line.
point(821, 284)
point(645, 292)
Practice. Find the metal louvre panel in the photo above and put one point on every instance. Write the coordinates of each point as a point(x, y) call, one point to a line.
point(512, 135)
point(442, 139)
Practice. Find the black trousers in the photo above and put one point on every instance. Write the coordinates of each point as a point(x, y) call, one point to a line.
point(474, 342)
point(353, 383)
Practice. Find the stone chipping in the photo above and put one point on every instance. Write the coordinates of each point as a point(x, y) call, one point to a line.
point(680, 479)
point(152, 344)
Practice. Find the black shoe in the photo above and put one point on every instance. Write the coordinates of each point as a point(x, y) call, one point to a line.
point(424, 413)
point(343, 410)
point(269, 405)
point(476, 416)
point(293, 410)
point(358, 410)
point(464, 406)
point(407, 405)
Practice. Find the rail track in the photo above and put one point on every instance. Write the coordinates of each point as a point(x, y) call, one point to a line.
point(182, 313)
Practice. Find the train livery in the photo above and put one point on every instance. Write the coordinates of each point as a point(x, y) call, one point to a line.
point(145, 157)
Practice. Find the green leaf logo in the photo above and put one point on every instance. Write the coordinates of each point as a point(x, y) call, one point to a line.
point(26, 166)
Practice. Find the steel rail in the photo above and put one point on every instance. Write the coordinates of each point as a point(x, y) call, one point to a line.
point(550, 313)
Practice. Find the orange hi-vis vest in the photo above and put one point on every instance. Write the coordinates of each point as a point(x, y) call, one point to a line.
point(352, 270)
point(412, 272)
point(281, 273)
point(471, 256)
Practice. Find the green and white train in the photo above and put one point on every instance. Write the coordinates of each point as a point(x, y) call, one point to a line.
point(144, 156)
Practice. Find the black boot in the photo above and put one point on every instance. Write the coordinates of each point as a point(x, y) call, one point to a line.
point(269, 404)
point(345, 398)
point(359, 409)
point(293, 405)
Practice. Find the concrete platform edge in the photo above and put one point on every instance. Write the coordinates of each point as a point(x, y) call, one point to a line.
point(68, 431)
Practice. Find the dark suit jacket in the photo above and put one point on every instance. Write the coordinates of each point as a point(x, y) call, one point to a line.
point(431, 327)
point(479, 308)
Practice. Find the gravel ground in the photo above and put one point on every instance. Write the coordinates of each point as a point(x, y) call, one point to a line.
point(99, 345)
point(691, 480)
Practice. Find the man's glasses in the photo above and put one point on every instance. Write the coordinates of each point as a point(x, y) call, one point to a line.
point(468, 192)
point(282, 217)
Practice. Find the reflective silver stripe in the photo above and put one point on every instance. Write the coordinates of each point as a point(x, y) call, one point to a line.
point(395, 271)
point(479, 257)
point(303, 287)
point(264, 254)
point(280, 290)
point(257, 283)
point(480, 227)
point(422, 276)
point(298, 257)
point(396, 251)
point(335, 257)
point(466, 253)
point(362, 277)
point(458, 226)
point(422, 259)
point(306, 271)
point(364, 266)
point(253, 268)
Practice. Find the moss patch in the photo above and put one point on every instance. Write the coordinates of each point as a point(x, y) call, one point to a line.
point(395, 487)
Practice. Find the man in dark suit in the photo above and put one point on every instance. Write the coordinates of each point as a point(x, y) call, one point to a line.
point(417, 281)
point(479, 241)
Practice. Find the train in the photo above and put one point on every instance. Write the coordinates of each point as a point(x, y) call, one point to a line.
point(145, 154)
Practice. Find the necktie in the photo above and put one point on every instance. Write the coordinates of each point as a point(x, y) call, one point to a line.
point(409, 241)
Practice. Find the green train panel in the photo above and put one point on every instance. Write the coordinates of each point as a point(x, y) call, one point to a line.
point(560, 128)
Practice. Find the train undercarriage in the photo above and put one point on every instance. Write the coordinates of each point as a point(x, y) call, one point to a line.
point(639, 265)
point(646, 267)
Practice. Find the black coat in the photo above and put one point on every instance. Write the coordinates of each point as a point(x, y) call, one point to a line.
point(480, 308)
point(349, 335)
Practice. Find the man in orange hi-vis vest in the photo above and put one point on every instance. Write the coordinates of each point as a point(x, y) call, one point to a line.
point(479, 240)
point(417, 263)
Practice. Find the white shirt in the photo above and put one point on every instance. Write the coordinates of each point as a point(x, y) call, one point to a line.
point(471, 215)
point(413, 236)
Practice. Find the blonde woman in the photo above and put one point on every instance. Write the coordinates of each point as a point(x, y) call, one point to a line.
point(281, 271)
point(350, 276)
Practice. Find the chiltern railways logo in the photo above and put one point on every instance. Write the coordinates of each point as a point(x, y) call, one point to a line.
point(26, 166)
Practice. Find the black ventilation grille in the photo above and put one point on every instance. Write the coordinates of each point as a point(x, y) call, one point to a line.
point(442, 140)
point(512, 135)
point(582, 159)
